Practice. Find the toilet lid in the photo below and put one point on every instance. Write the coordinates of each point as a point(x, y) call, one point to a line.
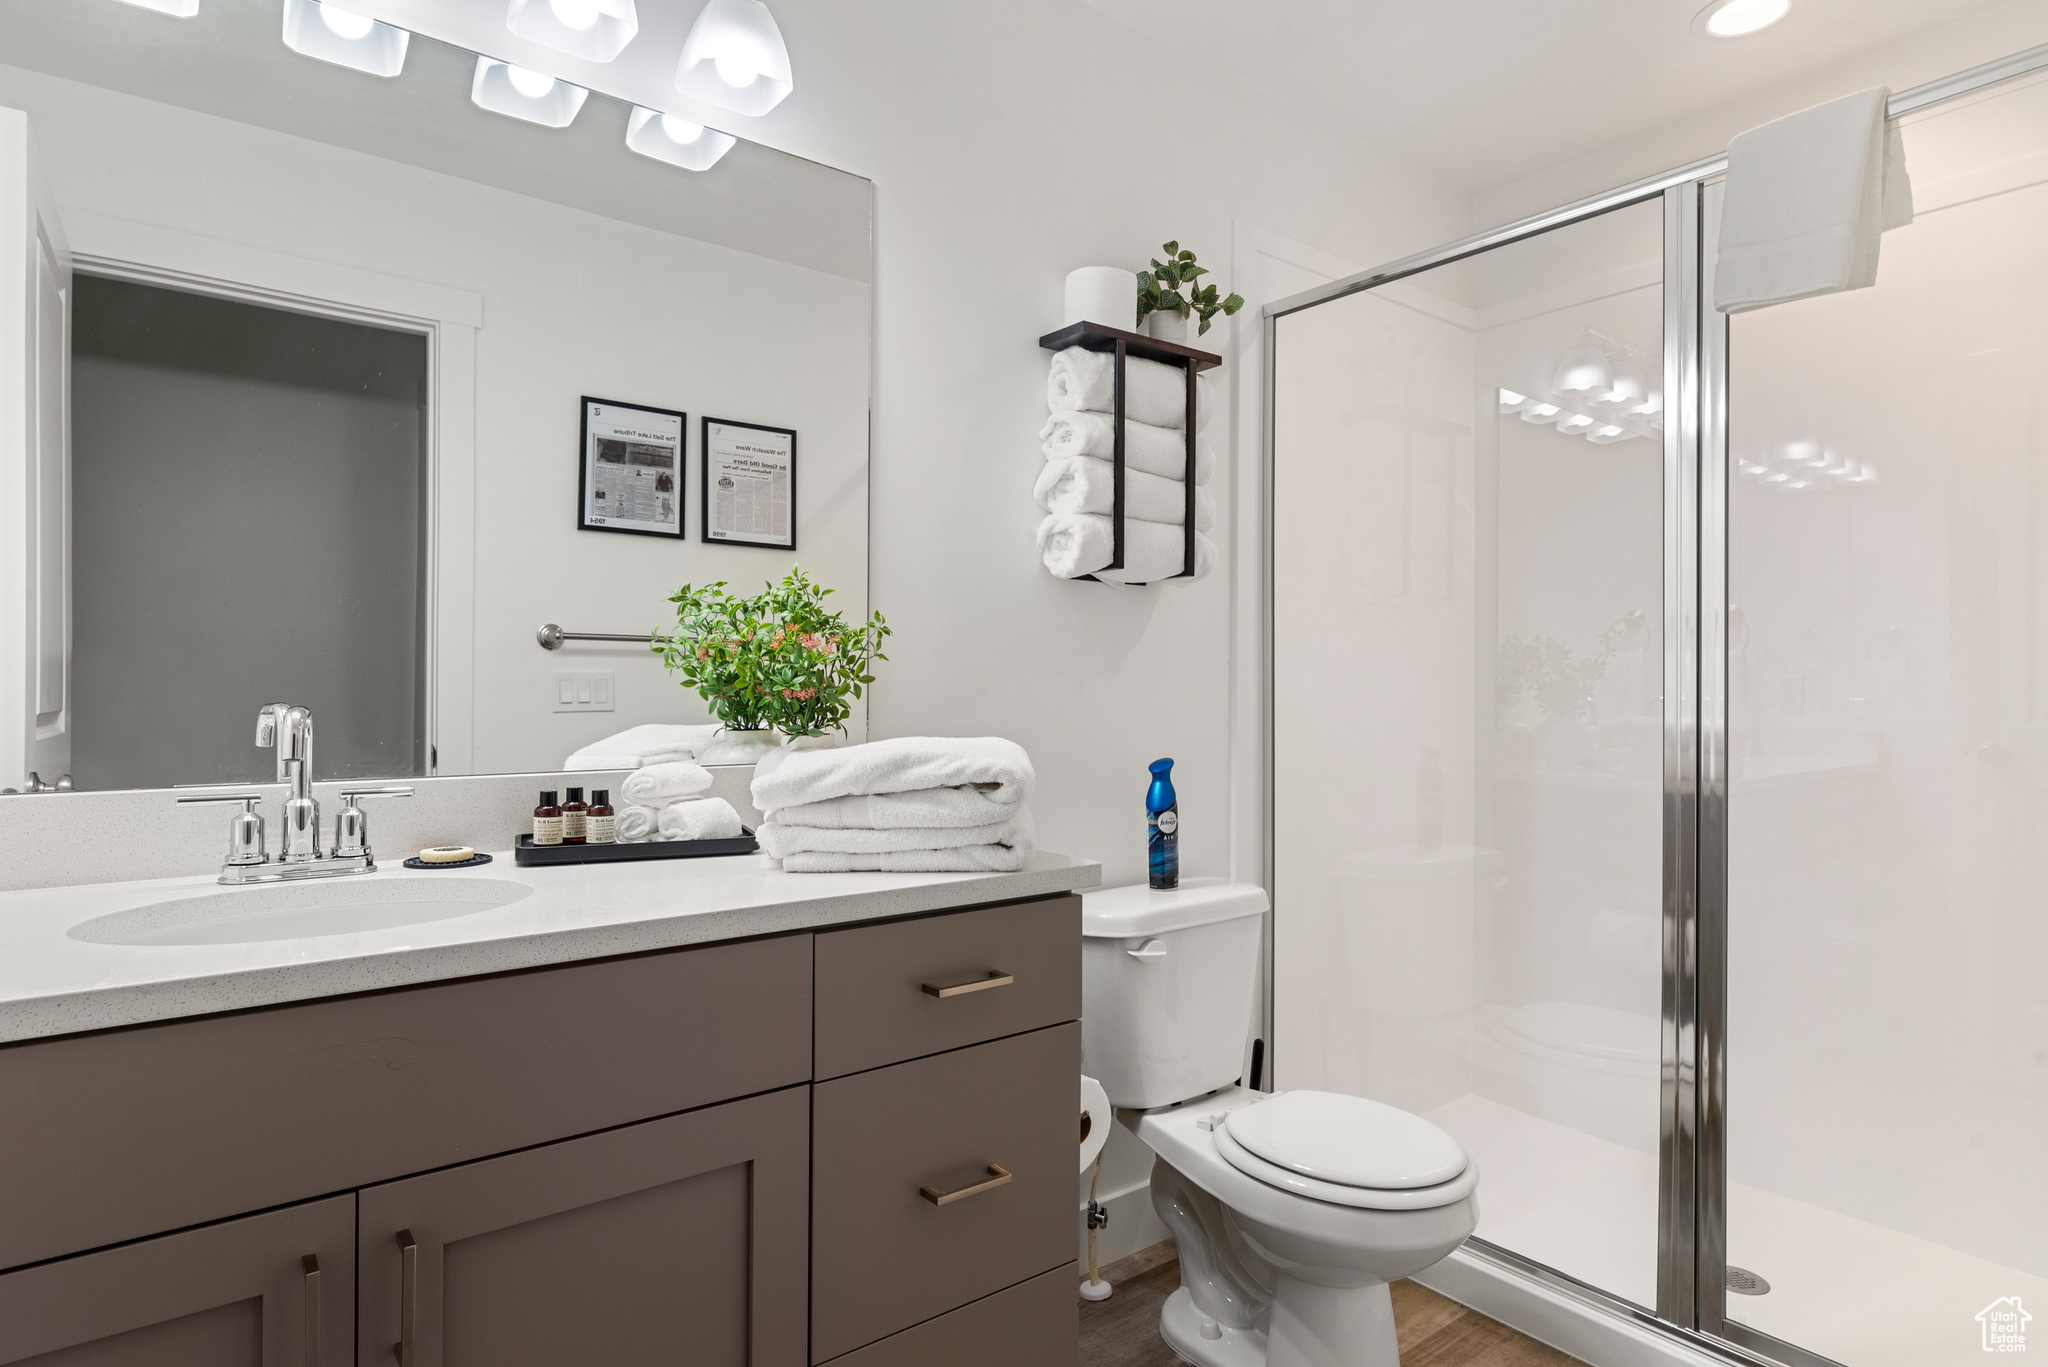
point(1347, 1141)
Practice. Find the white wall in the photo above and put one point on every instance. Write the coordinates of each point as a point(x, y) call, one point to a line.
point(1010, 144)
point(573, 304)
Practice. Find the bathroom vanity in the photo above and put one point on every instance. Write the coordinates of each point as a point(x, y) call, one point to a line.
point(781, 1119)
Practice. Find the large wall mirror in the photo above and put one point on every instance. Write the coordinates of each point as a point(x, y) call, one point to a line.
point(311, 365)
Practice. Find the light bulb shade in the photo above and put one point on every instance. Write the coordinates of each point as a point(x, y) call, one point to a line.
point(742, 35)
point(1607, 432)
point(380, 51)
point(554, 107)
point(1583, 371)
point(1574, 423)
point(1628, 391)
point(183, 9)
point(652, 136)
point(539, 21)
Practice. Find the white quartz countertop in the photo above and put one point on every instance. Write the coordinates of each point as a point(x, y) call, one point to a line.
point(55, 982)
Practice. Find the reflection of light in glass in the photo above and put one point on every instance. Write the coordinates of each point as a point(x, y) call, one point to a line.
point(1541, 413)
point(342, 36)
point(183, 9)
point(676, 141)
point(1628, 389)
point(522, 94)
point(1574, 423)
point(1583, 370)
point(1802, 452)
point(1607, 432)
point(1511, 402)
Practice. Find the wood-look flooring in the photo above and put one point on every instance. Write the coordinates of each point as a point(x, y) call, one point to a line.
point(1123, 1331)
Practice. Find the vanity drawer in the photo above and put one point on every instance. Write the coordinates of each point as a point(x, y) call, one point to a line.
point(113, 1136)
point(1033, 1324)
point(876, 985)
point(883, 1255)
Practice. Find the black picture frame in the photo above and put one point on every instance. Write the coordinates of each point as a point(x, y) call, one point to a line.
point(704, 464)
point(585, 455)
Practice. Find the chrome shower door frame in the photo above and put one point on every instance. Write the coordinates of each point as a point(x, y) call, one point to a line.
point(1692, 1186)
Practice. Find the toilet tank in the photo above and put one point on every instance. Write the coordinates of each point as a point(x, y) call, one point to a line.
point(1168, 982)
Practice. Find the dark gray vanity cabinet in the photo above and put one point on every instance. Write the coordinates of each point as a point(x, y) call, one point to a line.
point(270, 1290)
point(612, 1248)
point(766, 1153)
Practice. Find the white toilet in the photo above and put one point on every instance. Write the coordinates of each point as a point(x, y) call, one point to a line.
point(1292, 1211)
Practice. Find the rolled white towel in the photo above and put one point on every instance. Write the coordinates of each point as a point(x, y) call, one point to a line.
point(1154, 392)
point(1074, 544)
point(658, 784)
point(637, 746)
point(636, 825)
point(969, 804)
point(1086, 485)
point(1154, 450)
point(905, 764)
point(780, 841)
point(702, 818)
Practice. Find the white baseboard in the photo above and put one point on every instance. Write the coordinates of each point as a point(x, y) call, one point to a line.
point(1133, 1225)
point(1554, 1317)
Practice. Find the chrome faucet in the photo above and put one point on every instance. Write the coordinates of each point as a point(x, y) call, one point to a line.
point(288, 728)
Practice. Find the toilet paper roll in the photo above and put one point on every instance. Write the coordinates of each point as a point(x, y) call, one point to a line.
point(1095, 1118)
point(1103, 294)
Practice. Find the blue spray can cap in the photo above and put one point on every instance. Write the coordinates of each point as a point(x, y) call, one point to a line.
point(1160, 795)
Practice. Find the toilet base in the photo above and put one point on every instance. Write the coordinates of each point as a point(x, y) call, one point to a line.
point(1182, 1326)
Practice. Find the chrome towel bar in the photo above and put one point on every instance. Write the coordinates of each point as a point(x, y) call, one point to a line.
point(552, 636)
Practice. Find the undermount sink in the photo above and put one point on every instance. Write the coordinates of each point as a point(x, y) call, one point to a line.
point(299, 911)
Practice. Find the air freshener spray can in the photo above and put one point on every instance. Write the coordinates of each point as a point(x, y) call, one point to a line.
point(1162, 821)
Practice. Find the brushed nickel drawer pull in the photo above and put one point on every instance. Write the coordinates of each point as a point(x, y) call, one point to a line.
point(408, 1295)
point(310, 1265)
point(997, 1177)
point(996, 978)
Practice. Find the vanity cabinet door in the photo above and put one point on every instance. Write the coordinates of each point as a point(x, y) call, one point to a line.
point(674, 1240)
point(884, 1254)
point(273, 1290)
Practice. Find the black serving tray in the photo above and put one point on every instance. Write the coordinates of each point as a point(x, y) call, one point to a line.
point(527, 853)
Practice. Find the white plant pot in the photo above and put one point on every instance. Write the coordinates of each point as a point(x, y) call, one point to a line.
point(1165, 326)
point(824, 742)
point(739, 747)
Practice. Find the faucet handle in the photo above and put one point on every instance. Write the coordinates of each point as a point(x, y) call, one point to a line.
point(245, 828)
point(352, 825)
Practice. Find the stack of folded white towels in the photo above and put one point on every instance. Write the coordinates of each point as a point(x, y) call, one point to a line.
point(1077, 486)
point(916, 804)
point(666, 802)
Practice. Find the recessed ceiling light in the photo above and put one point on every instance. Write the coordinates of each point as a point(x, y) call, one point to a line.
point(526, 94)
point(344, 37)
point(676, 141)
point(1734, 18)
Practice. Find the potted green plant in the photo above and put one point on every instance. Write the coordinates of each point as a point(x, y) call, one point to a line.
point(1168, 296)
point(779, 661)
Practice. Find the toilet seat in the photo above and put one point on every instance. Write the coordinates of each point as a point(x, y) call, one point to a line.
point(1346, 1150)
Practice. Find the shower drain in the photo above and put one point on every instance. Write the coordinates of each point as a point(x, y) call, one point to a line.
point(1744, 1282)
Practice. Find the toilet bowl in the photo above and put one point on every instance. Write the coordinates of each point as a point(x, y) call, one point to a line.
point(1292, 1211)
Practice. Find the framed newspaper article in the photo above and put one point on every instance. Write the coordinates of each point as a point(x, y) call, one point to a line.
point(749, 496)
point(632, 469)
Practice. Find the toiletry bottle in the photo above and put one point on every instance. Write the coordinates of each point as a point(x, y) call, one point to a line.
point(1162, 821)
point(600, 822)
point(547, 820)
point(572, 818)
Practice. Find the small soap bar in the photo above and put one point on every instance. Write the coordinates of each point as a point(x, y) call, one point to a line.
point(447, 854)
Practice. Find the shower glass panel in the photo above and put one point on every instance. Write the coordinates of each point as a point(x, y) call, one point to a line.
point(1887, 1115)
point(1467, 624)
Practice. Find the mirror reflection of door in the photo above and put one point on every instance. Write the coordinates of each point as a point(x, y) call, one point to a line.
point(35, 588)
point(299, 441)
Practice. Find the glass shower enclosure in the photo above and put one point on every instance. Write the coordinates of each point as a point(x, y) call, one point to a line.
point(1659, 791)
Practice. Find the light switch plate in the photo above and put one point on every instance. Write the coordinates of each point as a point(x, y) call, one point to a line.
point(592, 691)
